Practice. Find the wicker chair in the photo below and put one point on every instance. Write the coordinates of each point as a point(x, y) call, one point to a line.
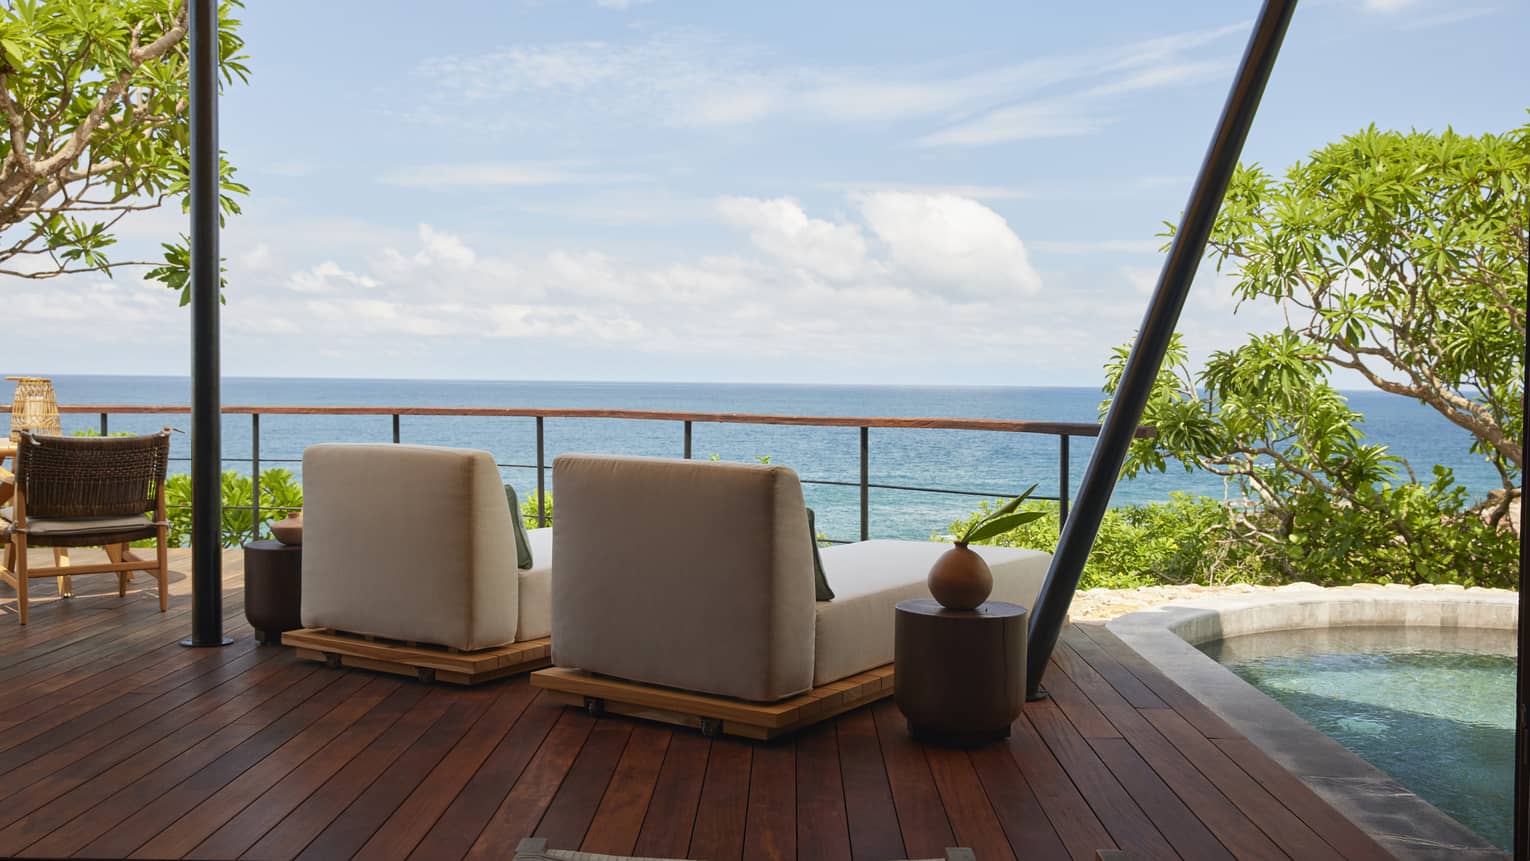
point(87, 492)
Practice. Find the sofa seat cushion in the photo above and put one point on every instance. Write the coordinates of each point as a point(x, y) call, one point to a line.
point(536, 588)
point(854, 632)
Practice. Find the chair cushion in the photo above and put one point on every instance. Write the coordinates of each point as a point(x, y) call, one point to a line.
point(854, 632)
point(536, 588)
point(408, 542)
point(692, 575)
point(83, 525)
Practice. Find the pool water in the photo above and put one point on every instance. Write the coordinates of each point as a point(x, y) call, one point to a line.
point(1434, 707)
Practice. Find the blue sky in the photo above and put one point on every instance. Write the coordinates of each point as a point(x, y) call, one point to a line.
point(961, 192)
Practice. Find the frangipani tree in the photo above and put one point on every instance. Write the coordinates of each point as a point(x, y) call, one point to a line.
point(1400, 257)
point(93, 101)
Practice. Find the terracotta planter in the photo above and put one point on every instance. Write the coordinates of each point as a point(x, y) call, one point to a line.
point(289, 531)
point(960, 579)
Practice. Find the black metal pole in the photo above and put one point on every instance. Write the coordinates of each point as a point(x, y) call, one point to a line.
point(1522, 687)
point(1158, 326)
point(206, 429)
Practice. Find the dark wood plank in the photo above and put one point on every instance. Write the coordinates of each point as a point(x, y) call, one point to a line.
point(770, 833)
point(1085, 717)
point(972, 817)
point(1198, 713)
point(522, 809)
point(568, 817)
point(718, 834)
point(240, 832)
point(1025, 823)
point(1175, 767)
point(619, 819)
point(100, 803)
point(108, 737)
point(201, 813)
point(302, 825)
point(1330, 824)
point(1279, 823)
point(330, 710)
point(370, 812)
point(822, 822)
point(1127, 684)
point(871, 816)
point(454, 833)
point(413, 819)
point(921, 817)
point(1113, 805)
point(671, 816)
point(1177, 822)
point(32, 813)
point(1076, 822)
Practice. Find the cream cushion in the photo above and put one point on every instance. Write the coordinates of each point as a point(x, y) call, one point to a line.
point(689, 574)
point(536, 588)
point(854, 632)
point(80, 525)
point(408, 542)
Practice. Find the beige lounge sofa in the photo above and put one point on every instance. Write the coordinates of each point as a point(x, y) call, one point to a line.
point(416, 544)
point(698, 576)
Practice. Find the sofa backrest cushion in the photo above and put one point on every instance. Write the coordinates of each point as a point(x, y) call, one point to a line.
point(408, 542)
point(693, 575)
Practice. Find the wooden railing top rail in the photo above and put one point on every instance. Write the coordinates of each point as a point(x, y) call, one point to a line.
point(1084, 429)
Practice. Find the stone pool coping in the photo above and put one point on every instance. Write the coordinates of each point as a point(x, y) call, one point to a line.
point(1405, 824)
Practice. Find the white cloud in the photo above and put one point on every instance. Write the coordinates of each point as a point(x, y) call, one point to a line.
point(443, 247)
point(257, 259)
point(976, 192)
point(780, 228)
point(1032, 121)
point(327, 277)
point(499, 173)
point(1097, 246)
point(621, 5)
point(692, 78)
point(1142, 278)
point(953, 241)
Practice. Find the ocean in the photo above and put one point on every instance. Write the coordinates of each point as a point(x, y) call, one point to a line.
point(987, 462)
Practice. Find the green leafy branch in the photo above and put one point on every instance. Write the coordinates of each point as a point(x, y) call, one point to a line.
point(1003, 519)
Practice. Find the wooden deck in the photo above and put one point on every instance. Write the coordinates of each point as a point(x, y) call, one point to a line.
point(115, 741)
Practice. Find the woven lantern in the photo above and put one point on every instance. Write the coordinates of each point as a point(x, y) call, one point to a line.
point(35, 408)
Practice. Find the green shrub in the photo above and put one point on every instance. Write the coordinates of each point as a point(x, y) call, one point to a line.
point(280, 496)
point(529, 509)
point(1184, 540)
point(1411, 533)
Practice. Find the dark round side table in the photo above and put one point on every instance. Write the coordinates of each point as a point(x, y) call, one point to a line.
point(273, 588)
point(959, 675)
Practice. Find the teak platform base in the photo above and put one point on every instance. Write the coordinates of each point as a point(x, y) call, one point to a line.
point(714, 715)
point(425, 662)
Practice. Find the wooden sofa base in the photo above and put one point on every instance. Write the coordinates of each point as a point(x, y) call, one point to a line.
point(425, 662)
point(714, 715)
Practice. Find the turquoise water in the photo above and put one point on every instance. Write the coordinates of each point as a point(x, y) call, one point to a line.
point(1434, 708)
point(969, 460)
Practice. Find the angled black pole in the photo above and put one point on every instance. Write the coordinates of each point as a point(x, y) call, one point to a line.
point(1153, 339)
point(1522, 686)
point(206, 406)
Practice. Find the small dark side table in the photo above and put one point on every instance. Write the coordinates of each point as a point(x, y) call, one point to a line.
point(273, 588)
point(959, 675)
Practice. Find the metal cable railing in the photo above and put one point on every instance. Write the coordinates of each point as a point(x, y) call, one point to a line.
point(1063, 431)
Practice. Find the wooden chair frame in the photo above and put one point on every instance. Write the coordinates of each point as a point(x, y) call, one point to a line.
point(17, 571)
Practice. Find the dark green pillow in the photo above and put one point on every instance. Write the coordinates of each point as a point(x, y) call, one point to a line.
point(820, 582)
point(522, 543)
